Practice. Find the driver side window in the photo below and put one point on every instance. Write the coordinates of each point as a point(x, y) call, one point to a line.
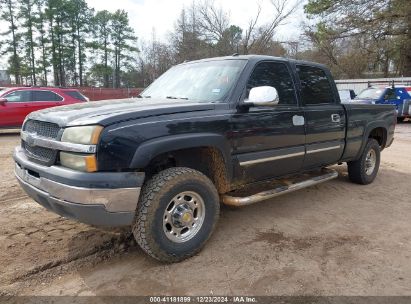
point(277, 75)
point(18, 96)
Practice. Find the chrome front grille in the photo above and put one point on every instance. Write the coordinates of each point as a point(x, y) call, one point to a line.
point(42, 128)
point(42, 154)
point(45, 156)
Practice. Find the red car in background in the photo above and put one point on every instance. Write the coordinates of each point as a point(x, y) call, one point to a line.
point(17, 103)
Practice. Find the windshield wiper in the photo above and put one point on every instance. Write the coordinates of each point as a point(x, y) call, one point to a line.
point(173, 97)
point(141, 96)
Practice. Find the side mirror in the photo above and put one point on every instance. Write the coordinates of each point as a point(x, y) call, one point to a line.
point(263, 96)
point(3, 101)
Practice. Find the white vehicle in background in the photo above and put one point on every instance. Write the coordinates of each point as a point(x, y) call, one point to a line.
point(346, 95)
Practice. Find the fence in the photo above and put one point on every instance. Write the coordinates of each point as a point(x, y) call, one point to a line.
point(105, 93)
point(360, 84)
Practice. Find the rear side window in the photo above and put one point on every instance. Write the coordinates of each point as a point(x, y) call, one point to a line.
point(18, 96)
point(274, 74)
point(390, 94)
point(315, 85)
point(76, 95)
point(46, 96)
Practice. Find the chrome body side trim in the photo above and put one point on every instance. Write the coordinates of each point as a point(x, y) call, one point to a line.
point(261, 160)
point(114, 200)
point(35, 140)
point(323, 149)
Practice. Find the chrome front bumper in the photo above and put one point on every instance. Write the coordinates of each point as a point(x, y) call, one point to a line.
point(114, 200)
point(96, 198)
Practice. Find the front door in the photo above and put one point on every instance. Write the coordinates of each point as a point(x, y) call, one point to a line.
point(325, 118)
point(15, 108)
point(268, 141)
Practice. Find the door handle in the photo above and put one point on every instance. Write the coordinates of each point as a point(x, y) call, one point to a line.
point(298, 120)
point(335, 118)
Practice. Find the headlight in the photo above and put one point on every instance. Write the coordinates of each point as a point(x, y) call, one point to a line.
point(77, 161)
point(87, 135)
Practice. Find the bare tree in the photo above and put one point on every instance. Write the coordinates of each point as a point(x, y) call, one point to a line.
point(258, 38)
point(213, 21)
point(385, 26)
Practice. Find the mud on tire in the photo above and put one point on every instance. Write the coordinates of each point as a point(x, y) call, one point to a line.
point(172, 199)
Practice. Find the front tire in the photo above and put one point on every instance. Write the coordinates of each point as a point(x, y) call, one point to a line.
point(177, 212)
point(364, 170)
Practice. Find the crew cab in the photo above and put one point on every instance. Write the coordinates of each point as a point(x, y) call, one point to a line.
point(399, 96)
point(236, 130)
point(17, 102)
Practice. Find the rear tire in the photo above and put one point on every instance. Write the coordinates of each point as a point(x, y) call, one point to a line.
point(177, 212)
point(364, 170)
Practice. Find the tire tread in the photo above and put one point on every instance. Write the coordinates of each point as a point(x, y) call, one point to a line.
point(158, 184)
point(356, 169)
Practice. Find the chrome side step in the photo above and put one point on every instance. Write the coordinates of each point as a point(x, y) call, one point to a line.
point(284, 186)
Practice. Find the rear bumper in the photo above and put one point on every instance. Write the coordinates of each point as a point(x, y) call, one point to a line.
point(103, 199)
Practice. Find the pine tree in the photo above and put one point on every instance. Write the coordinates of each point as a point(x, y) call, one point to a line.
point(102, 33)
point(43, 40)
point(122, 36)
point(28, 15)
point(8, 14)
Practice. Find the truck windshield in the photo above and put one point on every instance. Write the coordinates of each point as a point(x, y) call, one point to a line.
point(208, 81)
point(370, 93)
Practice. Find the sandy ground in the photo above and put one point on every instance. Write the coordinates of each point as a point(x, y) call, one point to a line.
point(336, 238)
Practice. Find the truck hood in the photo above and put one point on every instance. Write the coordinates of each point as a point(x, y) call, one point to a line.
point(111, 111)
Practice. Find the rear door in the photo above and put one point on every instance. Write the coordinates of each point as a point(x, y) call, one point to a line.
point(324, 115)
point(16, 108)
point(45, 99)
point(268, 141)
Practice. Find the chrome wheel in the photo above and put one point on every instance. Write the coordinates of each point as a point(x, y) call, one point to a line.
point(183, 216)
point(370, 161)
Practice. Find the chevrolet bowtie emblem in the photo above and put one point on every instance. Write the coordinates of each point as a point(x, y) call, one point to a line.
point(30, 140)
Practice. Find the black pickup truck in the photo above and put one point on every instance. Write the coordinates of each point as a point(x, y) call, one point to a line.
point(235, 130)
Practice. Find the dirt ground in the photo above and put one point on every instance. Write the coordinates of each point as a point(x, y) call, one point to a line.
point(336, 238)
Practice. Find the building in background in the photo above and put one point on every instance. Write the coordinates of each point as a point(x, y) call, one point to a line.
point(4, 78)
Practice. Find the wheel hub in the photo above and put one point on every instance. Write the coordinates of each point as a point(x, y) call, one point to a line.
point(370, 162)
point(183, 216)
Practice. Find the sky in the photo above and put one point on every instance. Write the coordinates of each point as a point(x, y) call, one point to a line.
point(159, 16)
